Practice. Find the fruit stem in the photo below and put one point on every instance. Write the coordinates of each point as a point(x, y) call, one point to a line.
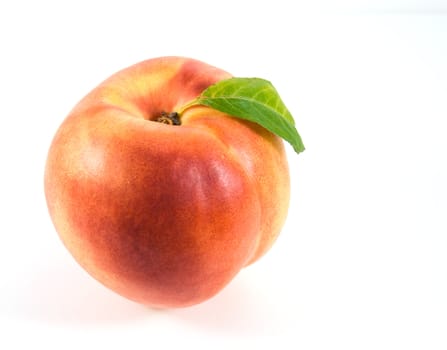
point(172, 118)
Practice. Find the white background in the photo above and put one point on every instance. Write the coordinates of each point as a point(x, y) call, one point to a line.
point(362, 260)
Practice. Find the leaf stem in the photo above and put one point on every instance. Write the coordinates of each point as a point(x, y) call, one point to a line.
point(190, 104)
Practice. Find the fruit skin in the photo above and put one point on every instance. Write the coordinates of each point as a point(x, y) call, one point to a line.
point(164, 215)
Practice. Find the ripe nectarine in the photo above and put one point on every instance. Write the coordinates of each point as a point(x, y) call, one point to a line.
point(163, 208)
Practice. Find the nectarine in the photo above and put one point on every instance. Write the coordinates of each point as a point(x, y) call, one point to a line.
point(165, 209)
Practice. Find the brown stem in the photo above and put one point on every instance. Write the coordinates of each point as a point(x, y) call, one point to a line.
point(172, 118)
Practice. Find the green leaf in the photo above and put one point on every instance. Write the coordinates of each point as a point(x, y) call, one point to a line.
point(255, 100)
